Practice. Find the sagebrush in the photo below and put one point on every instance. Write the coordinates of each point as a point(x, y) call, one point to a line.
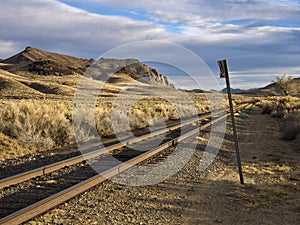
point(34, 124)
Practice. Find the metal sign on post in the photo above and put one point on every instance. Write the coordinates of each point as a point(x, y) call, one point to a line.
point(223, 66)
point(225, 74)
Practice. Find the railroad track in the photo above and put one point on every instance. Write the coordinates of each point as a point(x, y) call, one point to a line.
point(46, 169)
point(54, 184)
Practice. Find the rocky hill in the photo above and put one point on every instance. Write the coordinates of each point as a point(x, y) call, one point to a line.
point(36, 61)
point(113, 69)
point(274, 90)
point(40, 62)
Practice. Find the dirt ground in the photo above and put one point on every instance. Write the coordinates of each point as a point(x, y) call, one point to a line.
point(271, 194)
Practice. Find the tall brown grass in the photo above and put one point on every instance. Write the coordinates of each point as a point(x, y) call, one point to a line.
point(30, 126)
point(143, 114)
point(34, 124)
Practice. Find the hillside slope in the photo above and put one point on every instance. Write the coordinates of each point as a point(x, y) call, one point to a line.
point(39, 62)
point(13, 88)
point(275, 90)
point(113, 69)
point(45, 63)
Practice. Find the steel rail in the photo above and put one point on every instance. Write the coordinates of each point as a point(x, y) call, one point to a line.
point(48, 203)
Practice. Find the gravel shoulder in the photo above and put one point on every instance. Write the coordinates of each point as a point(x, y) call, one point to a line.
point(214, 196)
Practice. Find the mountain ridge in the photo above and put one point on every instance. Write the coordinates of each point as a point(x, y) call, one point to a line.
point(36, 61)
point(237, 90)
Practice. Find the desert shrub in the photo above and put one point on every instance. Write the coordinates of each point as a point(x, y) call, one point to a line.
point(161, 110)
point(173, 115)
point(10, 148)
point(276, 109)
point(34, 124)
point(139, 119)
point(291, 127)
point(288, 85)
point(144, 113)
point(241, 99)
point(103, 122)
point(279, 110)
point(83, 131)
point(83, 127)
point(267, 108)
point(277, 113)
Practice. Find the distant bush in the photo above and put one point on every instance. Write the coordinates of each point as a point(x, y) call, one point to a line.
point(279, 110)
point(291, 127)
point(288, 85)
point(104, 123)
point(276, 110)
point(267, 108)
point(279, 106)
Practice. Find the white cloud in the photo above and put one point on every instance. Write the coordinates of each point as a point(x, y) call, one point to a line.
point(8, 47)
point(177, 17)
point(53, 25)
point(215, 9)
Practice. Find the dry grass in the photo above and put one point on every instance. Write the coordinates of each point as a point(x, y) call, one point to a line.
point(32, 126)
point(144, 113)
point(264, 168)
point(36, 125)
point(152, 110)
point(10, 148)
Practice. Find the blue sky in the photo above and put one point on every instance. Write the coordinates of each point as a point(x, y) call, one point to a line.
point(259, 38)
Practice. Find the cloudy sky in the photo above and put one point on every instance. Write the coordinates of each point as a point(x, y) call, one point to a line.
point(259, 38)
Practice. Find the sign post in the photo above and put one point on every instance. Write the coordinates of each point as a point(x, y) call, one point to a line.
point(225, 74)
